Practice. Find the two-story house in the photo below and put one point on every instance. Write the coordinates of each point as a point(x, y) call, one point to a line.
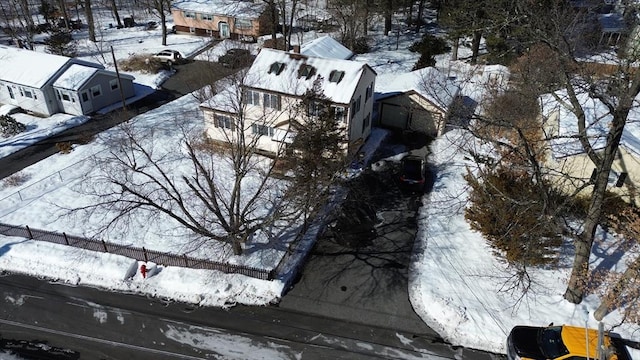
point(46, 84)
point(272, 90)
point(239, 19)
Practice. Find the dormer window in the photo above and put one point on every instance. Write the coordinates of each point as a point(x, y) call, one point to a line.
point(336, 76)
point(276, 68)
point(306, 71)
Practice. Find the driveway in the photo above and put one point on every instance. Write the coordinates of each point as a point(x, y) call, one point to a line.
point(358, 270)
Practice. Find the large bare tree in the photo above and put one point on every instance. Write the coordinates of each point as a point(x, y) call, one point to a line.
point(568, 37)
point(216, 189)
point(160, 8)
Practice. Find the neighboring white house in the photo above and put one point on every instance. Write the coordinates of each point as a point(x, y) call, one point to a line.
point(566, 155)
point(419, 100)
point(272, 89)
point(46, 84)
point(326, 47)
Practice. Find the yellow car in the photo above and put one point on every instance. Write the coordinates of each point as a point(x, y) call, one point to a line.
point(559, 343)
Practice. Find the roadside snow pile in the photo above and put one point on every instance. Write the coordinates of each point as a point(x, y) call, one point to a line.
point(118, 273)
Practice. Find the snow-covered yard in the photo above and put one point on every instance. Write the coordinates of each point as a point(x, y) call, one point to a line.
point(455, 284)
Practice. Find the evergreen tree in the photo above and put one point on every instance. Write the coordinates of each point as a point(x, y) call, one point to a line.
point(60, 42)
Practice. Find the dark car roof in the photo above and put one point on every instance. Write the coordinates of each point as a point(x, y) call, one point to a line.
point(524, 340)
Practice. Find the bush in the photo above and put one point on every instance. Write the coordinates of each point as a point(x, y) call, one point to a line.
point(428, 47)
point(10, 127)
point(15, 179)
point(64, 147)
point(143, 63)
point(508, 209)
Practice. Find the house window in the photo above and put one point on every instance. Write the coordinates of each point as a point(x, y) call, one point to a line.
point(63, 95)
point(365, 123)
point(276, 68)
point(27, 93)
point(192, 30)
point(339, 113)
point(207, 17)
point(224, 122)
point(369, 92)
point(258, 129)
point(113, 83)
point(85, 96)
point(272, 101)
point(189, 14)
point(209, 32)
point(355, 106)
point(96, 91)
point(621, 179)
point(335, 76)
point(243, 23)
point(314, 109)
point(252, 97)
point(306, 71)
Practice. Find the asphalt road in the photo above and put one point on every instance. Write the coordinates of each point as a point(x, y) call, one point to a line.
point(91, 324)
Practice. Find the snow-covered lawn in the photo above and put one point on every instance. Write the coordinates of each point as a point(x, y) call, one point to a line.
point(455, 279)
point(63, 181)
point(459, 287)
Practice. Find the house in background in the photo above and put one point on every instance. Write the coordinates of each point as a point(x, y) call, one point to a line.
point(326, 47)
point(420, 100)
point(46, 84)
point(222, 19)
point(565, 154)
point(272, 91)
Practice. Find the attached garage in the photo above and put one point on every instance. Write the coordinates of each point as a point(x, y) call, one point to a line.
point(410, 111)
point(418, 101)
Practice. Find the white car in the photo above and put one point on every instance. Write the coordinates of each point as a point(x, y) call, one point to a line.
point(169, 57)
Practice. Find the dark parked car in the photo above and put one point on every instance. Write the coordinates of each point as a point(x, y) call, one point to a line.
point(236, 58)
point(413, 172)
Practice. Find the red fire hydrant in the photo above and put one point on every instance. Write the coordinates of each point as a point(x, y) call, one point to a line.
point(143, 271)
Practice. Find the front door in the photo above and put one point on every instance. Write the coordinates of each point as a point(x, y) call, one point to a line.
point(224, 29)
point(86, 106)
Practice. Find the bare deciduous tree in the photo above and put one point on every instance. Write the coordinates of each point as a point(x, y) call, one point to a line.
point(160, 8)
point(186, 184)
point(17, 16)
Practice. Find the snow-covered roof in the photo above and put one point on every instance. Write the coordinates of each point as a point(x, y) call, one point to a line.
point(326, 47)
point(75, 76)
point(430, 83)
point(244, 9)
point(280, 71)
point(598, 119)
point(31, 68)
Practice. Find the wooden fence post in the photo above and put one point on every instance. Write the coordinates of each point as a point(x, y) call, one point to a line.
point(29, 231)
point(66, 240)
point(144, 252)
point(104, 245)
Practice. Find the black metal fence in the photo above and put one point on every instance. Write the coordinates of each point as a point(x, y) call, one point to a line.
point(137, 253)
